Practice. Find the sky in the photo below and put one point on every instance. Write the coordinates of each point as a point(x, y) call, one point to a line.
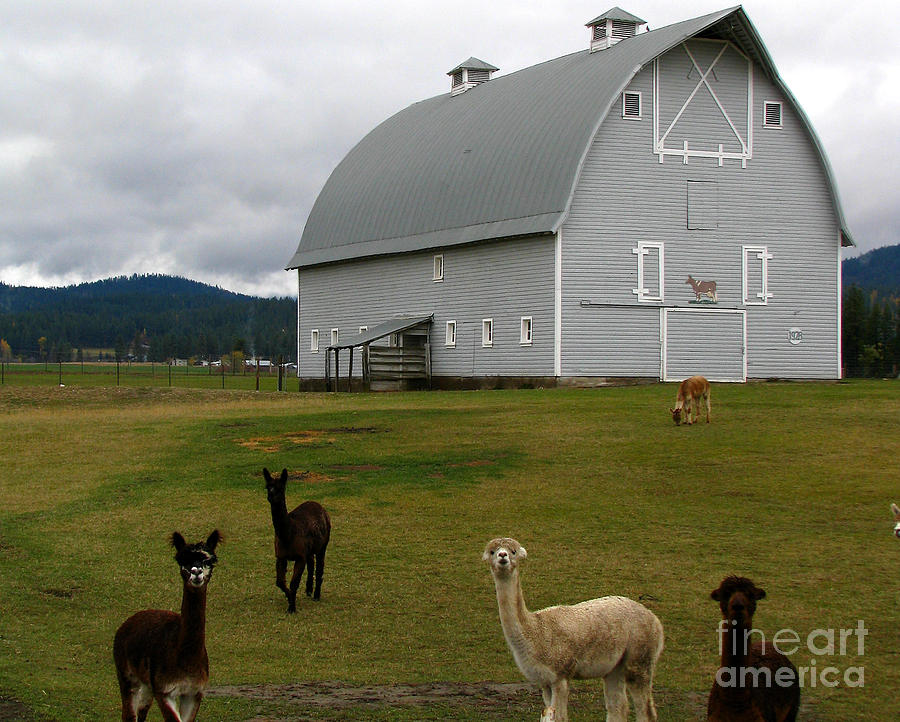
point(191, 137)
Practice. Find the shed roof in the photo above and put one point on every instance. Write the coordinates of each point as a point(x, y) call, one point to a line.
point(473, 64)
point(386, 328)
point(501, 160)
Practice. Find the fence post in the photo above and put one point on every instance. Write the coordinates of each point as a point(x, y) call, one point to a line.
point(59, 361)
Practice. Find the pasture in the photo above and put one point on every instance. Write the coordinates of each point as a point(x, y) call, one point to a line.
point(789, 485)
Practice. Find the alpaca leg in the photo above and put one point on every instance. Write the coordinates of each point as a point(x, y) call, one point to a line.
point(615, 697)
point(310, 560)
point(708, 407)
point(320, 571)
point(641, 688)
point(189, 705)
point(136, 700)
point(559, 699)
point(169, 707)
point(280, 574)
point(295, 584)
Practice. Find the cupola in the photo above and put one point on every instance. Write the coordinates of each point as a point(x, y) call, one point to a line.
point(611, 27)
point(468, 74)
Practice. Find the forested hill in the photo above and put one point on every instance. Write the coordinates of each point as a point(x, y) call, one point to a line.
point(876, 270)
point(152, 316)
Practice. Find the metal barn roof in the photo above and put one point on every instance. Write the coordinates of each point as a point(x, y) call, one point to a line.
point(500, 160)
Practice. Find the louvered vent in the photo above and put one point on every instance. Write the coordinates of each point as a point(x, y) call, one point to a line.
point(622, 29)
point(773, 115)
point(469, 74)
point(612, 27)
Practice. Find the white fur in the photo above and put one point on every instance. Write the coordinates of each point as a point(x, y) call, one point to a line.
point(614, 638)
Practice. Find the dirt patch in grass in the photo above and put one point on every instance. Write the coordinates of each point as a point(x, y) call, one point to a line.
point(485, 696)
point(11, 710)
point(274, 444)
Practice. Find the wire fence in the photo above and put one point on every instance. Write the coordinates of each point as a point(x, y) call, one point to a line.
point(273, 377)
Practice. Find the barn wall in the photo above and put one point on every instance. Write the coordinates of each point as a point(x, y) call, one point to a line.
point(503, 281)
point(780, 201)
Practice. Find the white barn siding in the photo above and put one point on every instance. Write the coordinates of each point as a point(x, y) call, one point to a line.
point(780, 201)
point(502, 281)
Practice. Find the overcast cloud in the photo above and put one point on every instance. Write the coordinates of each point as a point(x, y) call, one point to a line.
point(191, 137)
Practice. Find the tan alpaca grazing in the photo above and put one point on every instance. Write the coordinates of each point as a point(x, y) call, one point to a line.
point(615, 638)
point(690, 393)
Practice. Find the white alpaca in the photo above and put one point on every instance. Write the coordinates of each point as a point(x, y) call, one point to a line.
point(615, 638)
point(896, 510)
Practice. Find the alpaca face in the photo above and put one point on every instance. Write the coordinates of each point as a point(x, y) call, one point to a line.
point(737, 597)
point(503, 555)
point(196, 560)
point(275, 487)
point(676, 416)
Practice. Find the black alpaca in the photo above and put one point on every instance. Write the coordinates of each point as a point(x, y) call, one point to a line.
point(301, 537)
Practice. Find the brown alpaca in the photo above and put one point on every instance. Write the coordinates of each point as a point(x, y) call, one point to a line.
point(301, 537)
point(755, 682)
point(690, 393)
point(162, 655)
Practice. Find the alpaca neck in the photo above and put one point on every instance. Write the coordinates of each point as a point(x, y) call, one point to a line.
point(281, 521)
point(734, 644)
point(514, 615)
point(192, 634)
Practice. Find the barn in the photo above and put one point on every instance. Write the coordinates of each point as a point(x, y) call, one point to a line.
point(653, 206)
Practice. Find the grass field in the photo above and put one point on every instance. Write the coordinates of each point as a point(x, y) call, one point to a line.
point(790, 485)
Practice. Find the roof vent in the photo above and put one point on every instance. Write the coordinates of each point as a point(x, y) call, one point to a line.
point(611, 27)
point(468, 74)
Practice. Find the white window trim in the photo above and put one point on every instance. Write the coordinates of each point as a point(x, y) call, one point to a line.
point(450, 335)
point(363, 329)
point(314, 340)
point(335, 336)
point(625, 115)
point(526, 331)
point(643, 295)
point(780, 123)
point(761, 298)
point(438, 268)
point(487, 332)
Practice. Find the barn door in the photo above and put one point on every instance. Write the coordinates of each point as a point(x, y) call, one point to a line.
point(709, 342)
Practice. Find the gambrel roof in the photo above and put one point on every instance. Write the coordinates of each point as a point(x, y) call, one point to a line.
point(502, 159)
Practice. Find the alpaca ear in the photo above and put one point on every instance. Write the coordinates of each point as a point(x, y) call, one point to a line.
point(522, 553)
point(178, 541)
point(759, 593)
point(284, 476)
point(896, 510)
point(716, 595)
point(486, 556)
point(212, 541)
point(267, 475)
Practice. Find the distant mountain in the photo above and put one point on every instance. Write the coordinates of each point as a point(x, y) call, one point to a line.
point(146, 315)
point(878, 269)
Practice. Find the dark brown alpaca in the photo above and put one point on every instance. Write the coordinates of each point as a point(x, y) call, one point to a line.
point(756, 682)
point(301, 537)
point(161, 655)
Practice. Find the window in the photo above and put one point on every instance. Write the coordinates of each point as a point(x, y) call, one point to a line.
point(438, 269)
point(772, 115)
point(755, 281)
point(631, 105)
point(487, 332)
point(314, 340)
point(363, 329)
point(525, 331)
point(702, 205)
point(335, 335)
point(650, 276)
point(450, 339)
